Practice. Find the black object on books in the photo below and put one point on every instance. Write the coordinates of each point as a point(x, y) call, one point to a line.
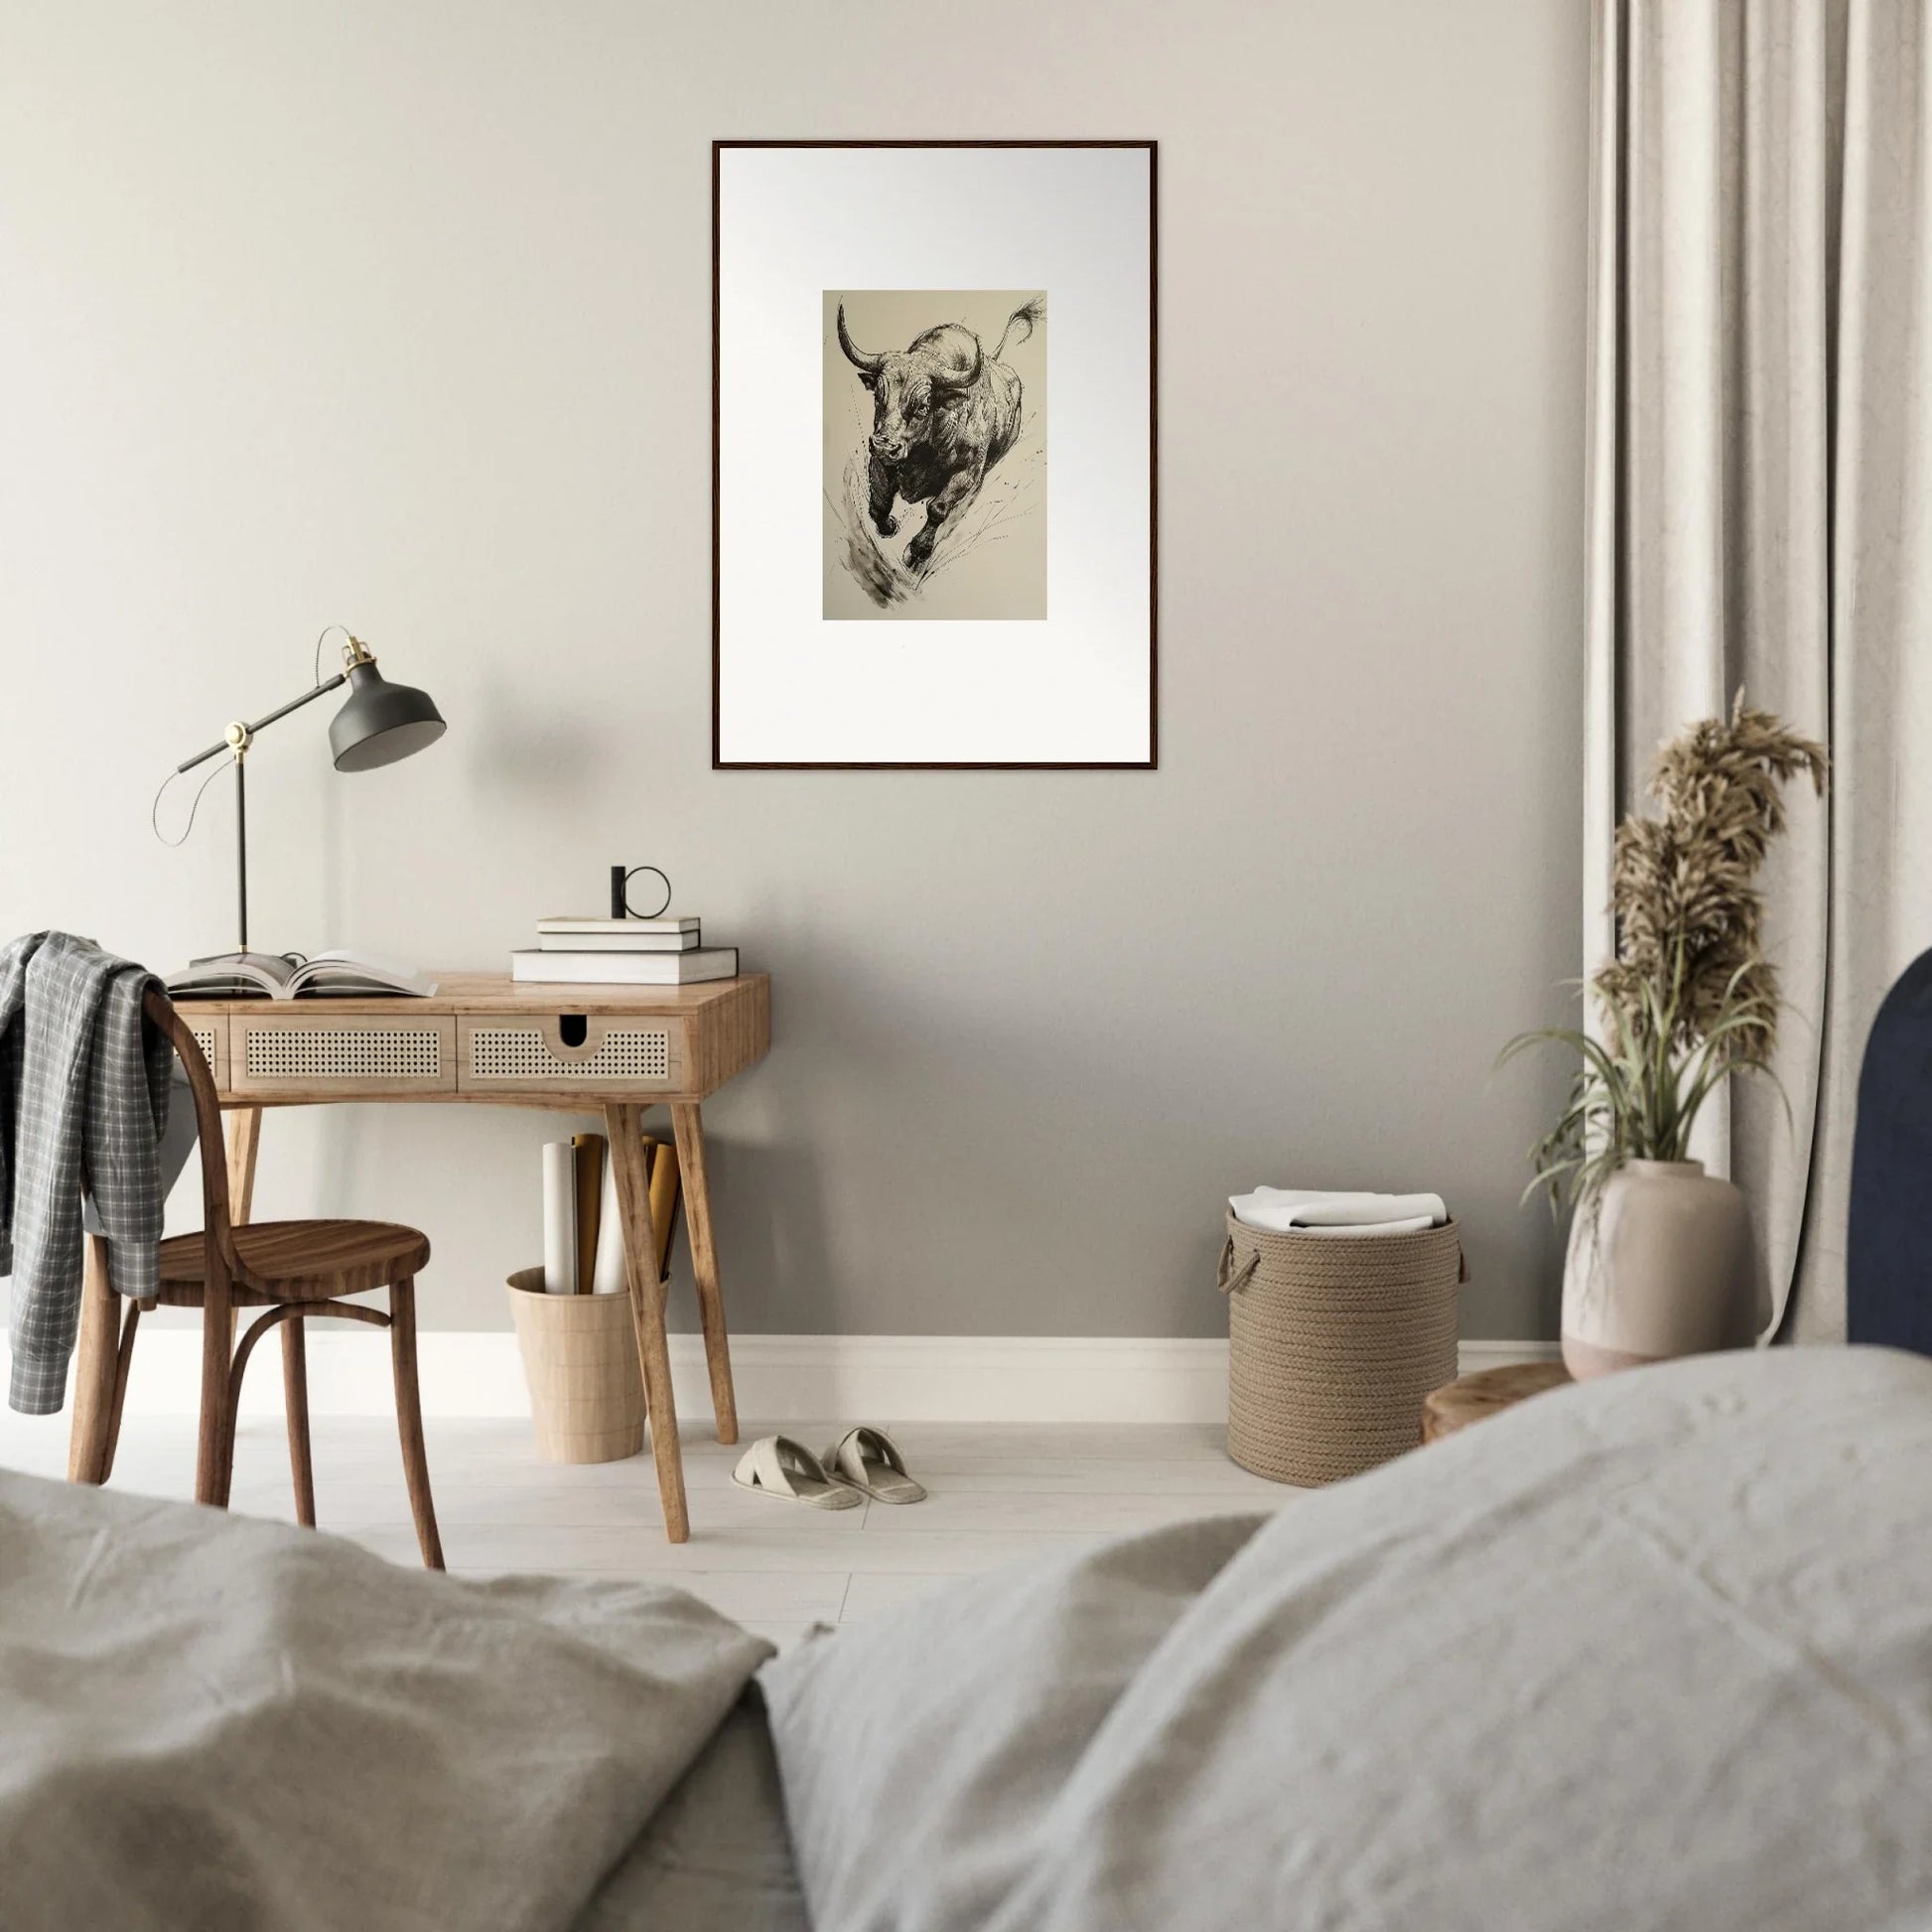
point(625, 968)
point(621, 879)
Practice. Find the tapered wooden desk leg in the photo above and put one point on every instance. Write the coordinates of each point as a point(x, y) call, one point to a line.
point(625, 1125)
point(687, 1124)
point(244, 1126)
point(95, 1360)
point(123, 1368)
point(409, 1418)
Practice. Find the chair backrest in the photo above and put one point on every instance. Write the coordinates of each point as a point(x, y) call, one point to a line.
point(218, 1231)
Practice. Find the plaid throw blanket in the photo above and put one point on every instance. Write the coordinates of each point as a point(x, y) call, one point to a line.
point(84, 1087)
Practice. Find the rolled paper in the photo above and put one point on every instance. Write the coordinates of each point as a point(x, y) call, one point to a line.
point(559, 1218)
point(588, 1153)
point(607, 1276)
point(663, 1200)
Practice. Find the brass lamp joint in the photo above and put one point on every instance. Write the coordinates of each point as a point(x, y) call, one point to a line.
point(354, 652)
point(238, 738)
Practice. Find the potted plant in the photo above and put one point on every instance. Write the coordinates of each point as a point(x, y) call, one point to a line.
point(1659, 1256)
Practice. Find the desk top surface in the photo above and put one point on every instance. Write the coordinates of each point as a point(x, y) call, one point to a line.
point(458, 993)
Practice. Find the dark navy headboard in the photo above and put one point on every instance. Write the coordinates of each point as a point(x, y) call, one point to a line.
point(1889, 1244)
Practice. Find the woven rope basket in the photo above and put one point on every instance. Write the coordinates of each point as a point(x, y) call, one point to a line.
point(1332, 1343)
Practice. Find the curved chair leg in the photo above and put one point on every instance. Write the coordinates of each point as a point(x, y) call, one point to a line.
point(409, 1417)
point(295, 1399)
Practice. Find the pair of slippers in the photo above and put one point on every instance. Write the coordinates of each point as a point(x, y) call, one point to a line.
point(863, 1462)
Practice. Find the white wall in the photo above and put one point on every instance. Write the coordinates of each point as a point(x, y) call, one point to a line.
point(398, 314)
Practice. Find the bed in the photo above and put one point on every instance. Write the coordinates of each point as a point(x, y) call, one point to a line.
point(1655, 1651)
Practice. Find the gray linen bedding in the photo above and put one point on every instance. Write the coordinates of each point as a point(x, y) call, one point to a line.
point(1653, 1653)
point(213, 1722)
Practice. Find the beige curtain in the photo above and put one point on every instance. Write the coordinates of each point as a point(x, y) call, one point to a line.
point(1760, 514)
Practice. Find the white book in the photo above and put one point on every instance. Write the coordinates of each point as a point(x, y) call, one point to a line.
point(559, 922)
point(559, 1218)
point(289, 976)
point(625, 968)
point(685, 941)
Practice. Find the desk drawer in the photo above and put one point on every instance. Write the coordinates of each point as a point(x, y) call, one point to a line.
point(316, 1052)
point(210, 1030)
point(554, 1052)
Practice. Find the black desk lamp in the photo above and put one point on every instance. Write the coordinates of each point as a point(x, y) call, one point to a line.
point(379, 723)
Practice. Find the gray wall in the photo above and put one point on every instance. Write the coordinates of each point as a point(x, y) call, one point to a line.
point(398, 314)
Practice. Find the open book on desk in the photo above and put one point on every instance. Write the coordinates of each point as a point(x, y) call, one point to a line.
point(289, 976)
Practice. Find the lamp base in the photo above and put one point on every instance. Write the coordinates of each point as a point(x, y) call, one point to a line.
point(233, 976)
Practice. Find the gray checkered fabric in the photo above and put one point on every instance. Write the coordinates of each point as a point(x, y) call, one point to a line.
point(83, 1089)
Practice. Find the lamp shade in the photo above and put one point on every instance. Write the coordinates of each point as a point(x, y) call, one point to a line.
point(381, 722)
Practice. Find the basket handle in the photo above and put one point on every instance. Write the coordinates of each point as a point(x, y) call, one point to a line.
point(1229, 1279)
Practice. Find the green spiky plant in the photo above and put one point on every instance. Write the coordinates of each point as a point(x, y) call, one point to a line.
point(1689, 996)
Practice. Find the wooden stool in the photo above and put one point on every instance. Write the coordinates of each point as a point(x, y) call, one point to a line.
point(291, 1270)
point(1488, 1392)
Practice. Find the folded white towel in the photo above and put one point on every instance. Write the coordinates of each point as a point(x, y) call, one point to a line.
point(1279, 1209)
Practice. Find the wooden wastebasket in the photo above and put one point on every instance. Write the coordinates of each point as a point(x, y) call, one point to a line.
point(580, 1359)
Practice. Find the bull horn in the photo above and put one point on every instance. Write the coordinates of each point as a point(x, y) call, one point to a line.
point(852, 353)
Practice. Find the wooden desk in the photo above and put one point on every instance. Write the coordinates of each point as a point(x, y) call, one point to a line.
point(483, 1040)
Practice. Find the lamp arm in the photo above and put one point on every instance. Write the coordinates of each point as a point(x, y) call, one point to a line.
point(248, 730)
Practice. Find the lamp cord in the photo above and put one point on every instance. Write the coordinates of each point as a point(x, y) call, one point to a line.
point(153, 810)
point(315, 677)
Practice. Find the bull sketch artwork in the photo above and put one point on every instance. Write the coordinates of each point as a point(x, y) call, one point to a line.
point(944, 412)
point(935, 455)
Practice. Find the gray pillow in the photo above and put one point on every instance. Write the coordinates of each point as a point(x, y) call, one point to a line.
point(1652, 1651)
point(919, 1750)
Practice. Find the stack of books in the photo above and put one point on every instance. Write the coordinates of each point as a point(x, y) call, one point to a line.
point(623, 952)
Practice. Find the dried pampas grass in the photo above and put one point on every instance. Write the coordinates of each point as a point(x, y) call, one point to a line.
point(1689, 996)
point(1688, 913)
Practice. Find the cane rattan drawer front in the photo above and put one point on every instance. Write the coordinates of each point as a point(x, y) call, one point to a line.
point(557, 1052)
point(317, 1051)
point(210, 1030)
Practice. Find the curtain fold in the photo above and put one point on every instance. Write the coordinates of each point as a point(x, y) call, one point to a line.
point(1758, 515)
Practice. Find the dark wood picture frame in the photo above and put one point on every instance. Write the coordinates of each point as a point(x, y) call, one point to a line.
point(1153, 759)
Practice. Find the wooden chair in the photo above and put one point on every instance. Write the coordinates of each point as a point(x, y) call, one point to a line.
point(291, 1270)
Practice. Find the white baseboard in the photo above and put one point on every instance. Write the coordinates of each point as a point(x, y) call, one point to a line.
point(778, 1378)
point(1472, 1356)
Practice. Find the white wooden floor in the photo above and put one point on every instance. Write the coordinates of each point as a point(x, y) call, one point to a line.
point(999, 1493)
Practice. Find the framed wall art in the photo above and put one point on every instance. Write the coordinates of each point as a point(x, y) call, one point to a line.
point(933, 528)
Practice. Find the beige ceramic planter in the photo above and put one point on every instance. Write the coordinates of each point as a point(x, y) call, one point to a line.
point(1659, 1265)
